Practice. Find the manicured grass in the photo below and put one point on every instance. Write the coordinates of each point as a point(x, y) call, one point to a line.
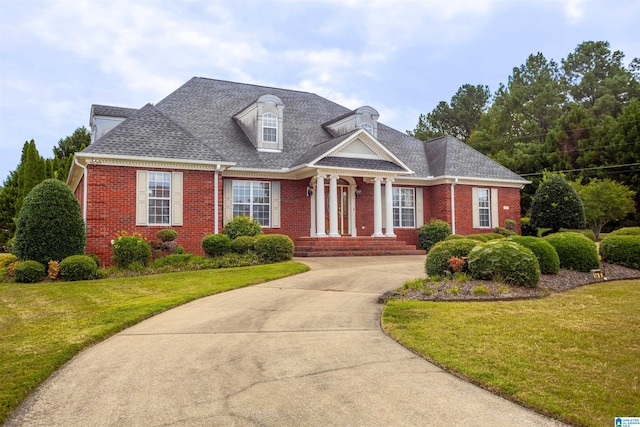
point(574, 356)
point(43, 325)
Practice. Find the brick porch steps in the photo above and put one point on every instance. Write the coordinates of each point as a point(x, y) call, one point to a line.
point(353, 246)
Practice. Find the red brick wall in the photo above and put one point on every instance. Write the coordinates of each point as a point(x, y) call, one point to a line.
point(111, 208)
point(506, 197)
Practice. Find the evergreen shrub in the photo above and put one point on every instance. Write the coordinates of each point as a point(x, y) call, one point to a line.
point(242, 244)
point(576, 251)
point(437, 262)
point(242, 225)
point(626, 231)
point(527, 227)
point(585, 232)
point(506, 261)
point(167, 235)
point(504, 231)
point(216, 244)
point(29, 272)
point(10, 259)
point(621, 249)
point(546, 254)
point(49, 225)
point(130, 250)
point(432, 233)
point(95, 259)
point(274, 247)
point(78, 267)
point(557, 205)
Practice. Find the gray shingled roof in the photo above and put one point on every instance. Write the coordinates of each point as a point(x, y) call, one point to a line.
point(363, 164)
point(148, 133)
point(196, 122)
point(110, 111)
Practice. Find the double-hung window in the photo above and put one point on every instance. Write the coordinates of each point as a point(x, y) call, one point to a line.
point(484, 207)
point(253, 199)
point(269, 128)
point(159, 198)
point(404, 207)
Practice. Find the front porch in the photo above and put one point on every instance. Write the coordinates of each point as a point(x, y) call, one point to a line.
point(353, 246)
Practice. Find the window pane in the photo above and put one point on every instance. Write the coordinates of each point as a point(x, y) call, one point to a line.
point(159, 192)
point(269, 128)
point(261, 214)
point(253, 199)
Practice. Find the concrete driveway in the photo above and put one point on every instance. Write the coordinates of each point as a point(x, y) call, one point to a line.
point(305, 351)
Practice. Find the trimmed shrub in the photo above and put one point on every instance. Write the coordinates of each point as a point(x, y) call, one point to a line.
point(556, 204)
point(274, 247)
point(95, 259)
point(216, 244)
point(455, 237)
point(480, 237)
point(585, 232)
point(29, 272)
point(179, 250)
point(49, 225)
point(576, 251)
point(4, 262)
point(506, 261)
point(510, 225)
point(167, 235)
point(547, 256)
point(621, 249)
point(437, 262)
point(242, 244)
point(504, 232)
point(432, 233)
point(527, 227)
point(129, 250)
point(626, 231)
point(242, 225)
point(78, 267)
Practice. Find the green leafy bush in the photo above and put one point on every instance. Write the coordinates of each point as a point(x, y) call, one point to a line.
point(527, 227)
point(242, 244)
point(167, 235)
point(437, 262)
point(95, 258)
point(510, 225)
point(621, 249)
point(11, 245)
point(585, 232)
point(178, 250)
point(10, 259)
point(216, 244)
point(274, 247)
point(29, 272)
point(504, 232)
point(576, 251)
point(130, 250)
point(78, 267)
point(242, 225)
point(546, 254)
point(432, 233)
point(506, 260)
point(626, 231)
point(480, 237)
point(556, 205)
point(172, 260)
point(49, 225)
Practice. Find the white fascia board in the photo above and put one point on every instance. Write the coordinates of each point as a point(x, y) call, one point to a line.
point(87, 158)
point(448, 179)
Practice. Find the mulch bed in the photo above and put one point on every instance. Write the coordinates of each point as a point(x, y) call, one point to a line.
point(549, 283)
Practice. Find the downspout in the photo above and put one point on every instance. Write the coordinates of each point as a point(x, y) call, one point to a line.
point(84, 191)
point(453, 206)
point(216, 207)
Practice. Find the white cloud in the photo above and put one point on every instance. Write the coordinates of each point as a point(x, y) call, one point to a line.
point(574, 11)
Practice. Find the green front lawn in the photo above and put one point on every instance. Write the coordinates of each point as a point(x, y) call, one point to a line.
point(574, 356)
point(43, 325)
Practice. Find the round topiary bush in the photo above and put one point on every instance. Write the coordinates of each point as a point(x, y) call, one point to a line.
point(130, 250)
point(216, 244)
point(274, 247)
point(557, 205)
point(78, 267)
point(95, 258)
point(576, 251)
point(585, 232)
point(504, 260)
point(49, 225)
point(621, 249)
point(546, 254)
point(167, 235)
point(432, 233)
point(626, 231)
point(29, 272)
point(437, 262)
point(242, 225)
point(242, 244)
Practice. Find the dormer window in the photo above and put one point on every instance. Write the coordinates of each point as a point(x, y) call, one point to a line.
point(269, 128)
point(367, 127)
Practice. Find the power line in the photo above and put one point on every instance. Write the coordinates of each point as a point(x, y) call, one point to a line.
point(587, 169)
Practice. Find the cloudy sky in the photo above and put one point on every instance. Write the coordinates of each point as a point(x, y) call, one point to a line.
point(401, 57)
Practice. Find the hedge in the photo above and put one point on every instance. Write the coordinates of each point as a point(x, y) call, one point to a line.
point(216, 244)
point(504, 260)
point(437, 262)
point(78, 267)
point(576, 251)
point(432, 233)
point(546, 254)
point(274, 247)
point(621, 249)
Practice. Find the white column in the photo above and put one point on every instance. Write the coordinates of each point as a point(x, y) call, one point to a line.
point(320, 230)
point(388, 206)
point(333, 206)
point(377, 208)
point(312, 232)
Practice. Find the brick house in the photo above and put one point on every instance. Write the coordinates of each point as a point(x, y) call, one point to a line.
point(299, 164)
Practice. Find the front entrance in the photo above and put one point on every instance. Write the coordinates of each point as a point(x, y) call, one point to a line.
point(343, 207)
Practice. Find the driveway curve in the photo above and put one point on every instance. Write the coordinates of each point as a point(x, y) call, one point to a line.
point(304, 350)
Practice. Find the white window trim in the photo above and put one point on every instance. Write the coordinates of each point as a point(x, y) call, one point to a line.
point(175, 198)
point(251, 204)
point(149, 198)
point(493, 207)
point(486, 208)
point(400, 208)
point(275, 126)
